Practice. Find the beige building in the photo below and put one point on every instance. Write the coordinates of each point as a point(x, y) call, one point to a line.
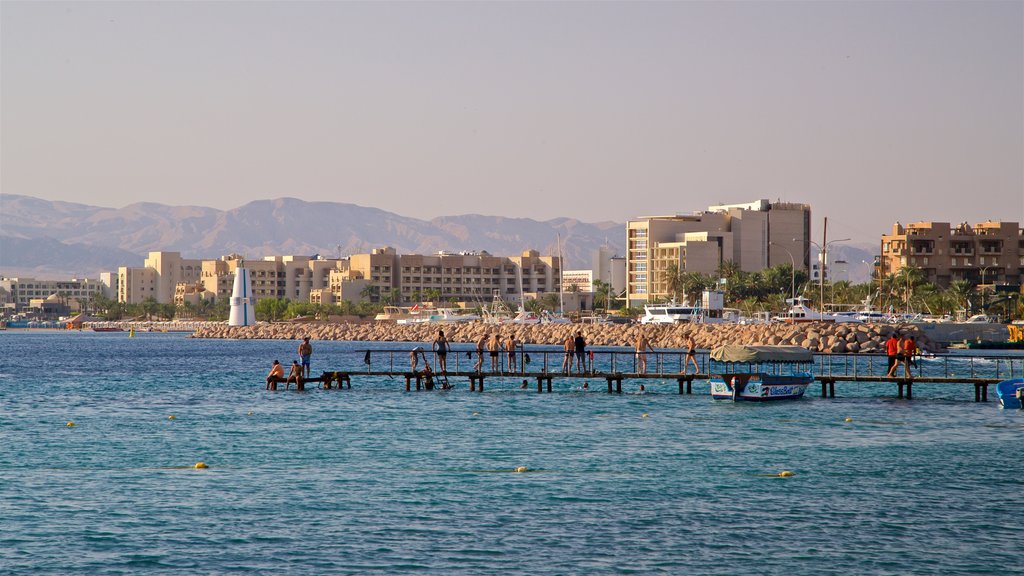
point(158, 278)
point(986, 253)
point(470, 279)
point(754, 236)
point(169, 278)
point(17, 294)
point(467, 278)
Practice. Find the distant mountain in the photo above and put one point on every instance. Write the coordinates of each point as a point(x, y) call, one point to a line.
point(57, 239)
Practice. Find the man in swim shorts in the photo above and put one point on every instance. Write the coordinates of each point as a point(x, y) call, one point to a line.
point(305, 351)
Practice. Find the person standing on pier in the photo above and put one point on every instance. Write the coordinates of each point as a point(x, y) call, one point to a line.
point(480, 343)
point(580, 345)
point(892, 351)
point(510, 348)
point(493, 347)
point(414, 358)
point(440, 347)
point(691, 356)
point(641, 346)
point(305, 351)
point(570, 347)
point(909, 349)
point(276, 373)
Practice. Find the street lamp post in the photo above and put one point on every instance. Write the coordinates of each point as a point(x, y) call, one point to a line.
point(821, 269)
point(792, 270)
point(984, 271)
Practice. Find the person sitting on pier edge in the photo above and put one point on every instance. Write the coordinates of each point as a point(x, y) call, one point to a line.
point(294, 376)
point(480, 342)
point(691, 356)
point(440, 347)
point(276, 373)
point(892, 351)
point(569, 346)
point(640, 347)
point(580, 345)
point(305, 351)
point(493, 346)
point(510, 347)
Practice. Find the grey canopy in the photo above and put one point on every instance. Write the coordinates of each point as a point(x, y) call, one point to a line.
point(753, 354)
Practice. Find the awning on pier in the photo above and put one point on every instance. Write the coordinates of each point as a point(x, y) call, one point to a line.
point(753, 354)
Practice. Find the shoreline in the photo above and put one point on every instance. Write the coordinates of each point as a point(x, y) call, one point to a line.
point(822, 337)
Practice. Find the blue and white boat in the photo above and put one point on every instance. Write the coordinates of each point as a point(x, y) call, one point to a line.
point(760, 373)
point(1007, 391)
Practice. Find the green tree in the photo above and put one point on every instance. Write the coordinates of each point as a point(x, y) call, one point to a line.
point(150, 307)
point(271, 309)
point(675, 281)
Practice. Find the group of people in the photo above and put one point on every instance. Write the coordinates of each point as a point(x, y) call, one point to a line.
point(299, 372)
point(900, 351)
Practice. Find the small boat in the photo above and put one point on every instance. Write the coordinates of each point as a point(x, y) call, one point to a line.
point(760, 373)
point(799, 311)
point(1009, 392)
point(670, 313)
point(440, 315)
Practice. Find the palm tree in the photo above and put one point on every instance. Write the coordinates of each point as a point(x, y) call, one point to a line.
point(693, 284)
point(432, 294)
point(959, 294)
point(675, 280)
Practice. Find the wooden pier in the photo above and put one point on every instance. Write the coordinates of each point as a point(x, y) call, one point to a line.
point(614, 368)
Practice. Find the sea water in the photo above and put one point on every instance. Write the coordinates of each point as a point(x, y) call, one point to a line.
point(379, 480)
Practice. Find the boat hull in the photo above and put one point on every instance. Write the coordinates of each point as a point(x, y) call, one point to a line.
point(1007, 392)
point(760, 388)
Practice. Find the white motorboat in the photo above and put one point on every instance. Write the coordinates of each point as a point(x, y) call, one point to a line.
point(671, 313)
point(799, 311)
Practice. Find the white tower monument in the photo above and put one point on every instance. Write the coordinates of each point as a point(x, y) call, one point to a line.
point(242, 310)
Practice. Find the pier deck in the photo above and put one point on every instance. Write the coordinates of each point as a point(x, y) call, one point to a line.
point(617, 366)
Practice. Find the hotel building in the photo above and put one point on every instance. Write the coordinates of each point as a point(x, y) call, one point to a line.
point(986, 253)
point(754, 236)
point(469, 278)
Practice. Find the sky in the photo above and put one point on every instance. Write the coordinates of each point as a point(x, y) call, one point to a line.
point(871, 112)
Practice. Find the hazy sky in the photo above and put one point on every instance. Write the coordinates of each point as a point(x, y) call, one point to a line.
point(869, 111)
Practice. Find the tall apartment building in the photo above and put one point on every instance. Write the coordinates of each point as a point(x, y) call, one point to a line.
point(754, 236)
point(157, 278)
point(989, 252)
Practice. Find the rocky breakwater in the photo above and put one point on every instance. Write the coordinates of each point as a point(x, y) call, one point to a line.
point(825, 337)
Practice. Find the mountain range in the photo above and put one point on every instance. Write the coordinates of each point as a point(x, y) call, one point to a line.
point(53, 240)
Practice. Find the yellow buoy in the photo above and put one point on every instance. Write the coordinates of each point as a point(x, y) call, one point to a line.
point(249, 414)
point(645, 415)
point(70, 424)
point(171, 417)
point(476, 413)
point(785, 474)
point(200, 465)
point(522, 469)
point(848, 419)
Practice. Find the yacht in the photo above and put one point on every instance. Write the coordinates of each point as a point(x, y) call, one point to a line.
point(799, 311)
